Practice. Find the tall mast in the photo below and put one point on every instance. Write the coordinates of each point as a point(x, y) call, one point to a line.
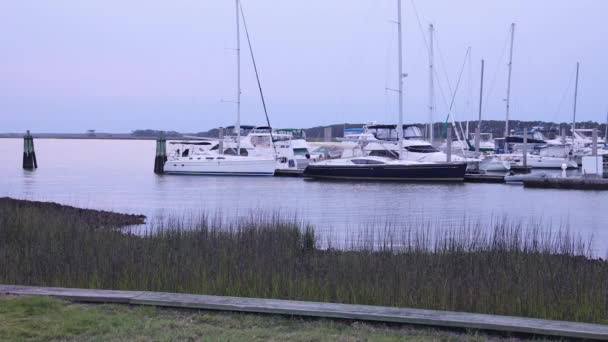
point(238, 81)
point(431, 84)
point(575, 99)
point(480, 95)
point(508, 99)
point(478, 129)
point(400, 61)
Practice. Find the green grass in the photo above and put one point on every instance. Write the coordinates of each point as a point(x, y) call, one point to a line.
point(44, 319)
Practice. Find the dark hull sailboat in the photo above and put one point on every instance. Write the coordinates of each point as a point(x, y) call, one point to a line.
point(443, 172)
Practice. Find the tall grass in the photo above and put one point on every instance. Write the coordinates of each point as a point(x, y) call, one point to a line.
point(504, 269)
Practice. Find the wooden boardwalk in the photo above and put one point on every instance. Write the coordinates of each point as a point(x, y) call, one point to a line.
point(324, 310)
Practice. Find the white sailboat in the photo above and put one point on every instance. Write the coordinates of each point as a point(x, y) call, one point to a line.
point(210, 162)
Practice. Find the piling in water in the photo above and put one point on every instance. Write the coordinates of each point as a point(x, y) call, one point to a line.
point(327, 134)
point(525, 155)
point(477, 139)
point(594, 143)
point(161, 154)
point(29, 155)
point(449, 144)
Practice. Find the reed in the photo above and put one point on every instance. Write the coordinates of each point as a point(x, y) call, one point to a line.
point(507, 268)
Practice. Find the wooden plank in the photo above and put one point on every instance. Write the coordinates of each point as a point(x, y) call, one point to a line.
point(327, 310)
point(81, 295)
point(573, 183)
point(483, 178)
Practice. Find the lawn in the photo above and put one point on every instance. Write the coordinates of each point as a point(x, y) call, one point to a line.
point(44, 318)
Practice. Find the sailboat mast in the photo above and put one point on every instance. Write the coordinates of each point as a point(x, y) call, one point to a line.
point(575, 99)
point(238, 81)
point(480, 95)
point(508, 99)
point(400, 68)
point(478, 129)
point(431, 84)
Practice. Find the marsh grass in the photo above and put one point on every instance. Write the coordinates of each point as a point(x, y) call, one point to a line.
point(508, 268)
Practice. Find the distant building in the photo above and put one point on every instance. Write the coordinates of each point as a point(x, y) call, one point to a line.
point(91, 133)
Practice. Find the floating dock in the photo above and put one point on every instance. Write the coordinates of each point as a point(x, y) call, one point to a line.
point(289, 173)
point(484, 178)
point(521, 169)
point(460, 320)
point(572, 183)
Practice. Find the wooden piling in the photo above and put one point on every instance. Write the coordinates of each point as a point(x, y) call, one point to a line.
point(477, 139)
point(525, 154)
point(594, 143)
point(29, 154)
point(449, 143)
point(327, 134)
point(221, 140)
point(161, 154)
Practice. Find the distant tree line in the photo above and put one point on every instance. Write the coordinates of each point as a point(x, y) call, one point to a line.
point(496, 127)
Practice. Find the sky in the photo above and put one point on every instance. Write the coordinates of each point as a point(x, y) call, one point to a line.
point(116, 66)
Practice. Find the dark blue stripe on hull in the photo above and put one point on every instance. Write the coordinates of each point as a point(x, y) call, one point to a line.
point(192, 173)
point(446, 172)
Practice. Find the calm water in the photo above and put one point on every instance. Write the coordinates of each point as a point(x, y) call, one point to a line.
point(117, 175)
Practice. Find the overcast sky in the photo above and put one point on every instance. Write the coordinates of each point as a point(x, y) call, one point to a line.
point(115, 65)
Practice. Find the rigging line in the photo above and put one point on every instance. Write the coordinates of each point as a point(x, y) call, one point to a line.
point(257, 76)
point(426, 45)
point(387, 97)
point(498, 65)
point(561, 102)
point(443, 63)
point(454, 96)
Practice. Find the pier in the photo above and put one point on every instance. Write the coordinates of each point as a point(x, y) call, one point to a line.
point(572, 183)
point(446, 319)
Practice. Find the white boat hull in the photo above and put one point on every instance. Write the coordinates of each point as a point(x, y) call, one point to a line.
point(540, 162)
point(230, 166)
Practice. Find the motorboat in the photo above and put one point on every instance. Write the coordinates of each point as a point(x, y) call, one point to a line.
point(537, 161)
point(299, 146)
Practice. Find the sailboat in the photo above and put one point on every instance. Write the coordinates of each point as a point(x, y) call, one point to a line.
point(517, 158)
point(216, 162)
point(392, 166)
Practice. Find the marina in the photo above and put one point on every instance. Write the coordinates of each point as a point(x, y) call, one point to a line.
point(412, 169)
point(94, 175)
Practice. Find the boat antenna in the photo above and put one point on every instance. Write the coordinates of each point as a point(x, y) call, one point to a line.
point(238, 81)
point(508, 99)
point(575, 99)
point(257, 77)
point(401, 76)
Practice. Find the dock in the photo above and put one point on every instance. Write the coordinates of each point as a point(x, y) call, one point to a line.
point(289, 173)
point(448, 319)
point(521, 169)
point(571, 183)
point(484, 178)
